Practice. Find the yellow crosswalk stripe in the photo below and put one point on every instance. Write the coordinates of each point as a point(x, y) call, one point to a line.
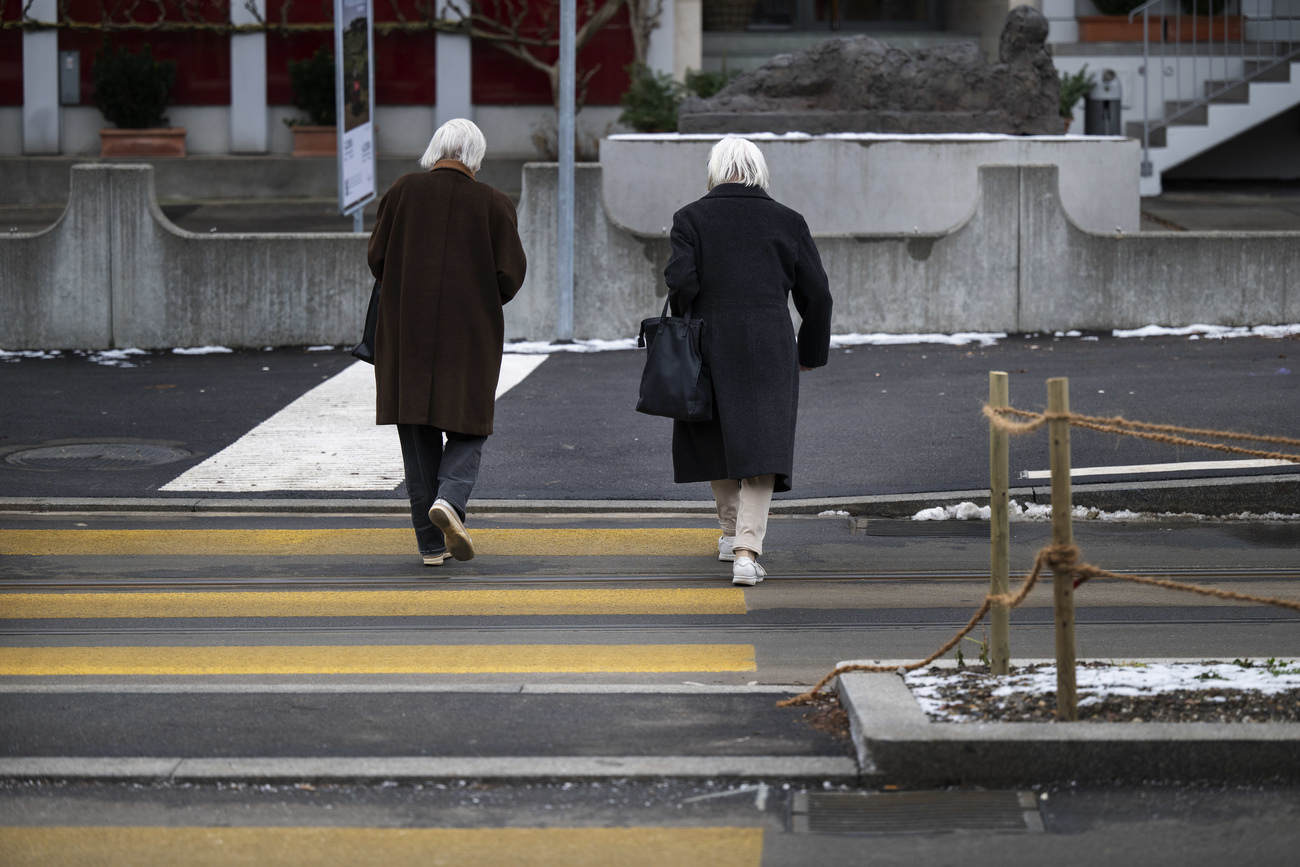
point(391, 847)
point(503, 542)
point(377, 659)
point(374, 603)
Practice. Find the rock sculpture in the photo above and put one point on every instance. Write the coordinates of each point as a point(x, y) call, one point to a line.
point(863, 85)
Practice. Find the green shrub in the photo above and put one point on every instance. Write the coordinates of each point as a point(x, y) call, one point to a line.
point(1073, 87)
point(706, 84)
point(132, 90)
point(650, 104)
point(312, 81)
point(1117, 7)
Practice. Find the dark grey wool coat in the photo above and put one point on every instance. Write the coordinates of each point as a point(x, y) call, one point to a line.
point(737, 257)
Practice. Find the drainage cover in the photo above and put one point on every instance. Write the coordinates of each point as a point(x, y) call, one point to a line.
point(913, 812)
point(96, 456)
point(888, 527)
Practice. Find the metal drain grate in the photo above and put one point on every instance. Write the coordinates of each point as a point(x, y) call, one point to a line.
point(913, 812)
point(96, 456)
point(888, 527)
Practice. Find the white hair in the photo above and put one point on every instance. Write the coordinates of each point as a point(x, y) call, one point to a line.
point(457, 139)
point(735, 160)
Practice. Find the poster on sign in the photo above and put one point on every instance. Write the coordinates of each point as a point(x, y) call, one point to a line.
point(354, 85)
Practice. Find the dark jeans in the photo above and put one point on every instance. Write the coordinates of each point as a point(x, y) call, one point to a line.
point(437, 472)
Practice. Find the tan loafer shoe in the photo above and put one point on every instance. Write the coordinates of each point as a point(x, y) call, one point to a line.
point(444, 517)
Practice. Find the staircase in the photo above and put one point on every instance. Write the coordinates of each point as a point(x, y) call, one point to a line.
point(1227, 73)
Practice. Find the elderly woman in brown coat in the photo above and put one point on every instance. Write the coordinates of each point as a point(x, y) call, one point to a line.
point(447, 251)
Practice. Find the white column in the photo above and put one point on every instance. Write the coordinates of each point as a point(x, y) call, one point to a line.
point(41, 82)
point(1060, 15)
point(663, 42)
point(249, 133)
point(455, 97)
point(688, 37)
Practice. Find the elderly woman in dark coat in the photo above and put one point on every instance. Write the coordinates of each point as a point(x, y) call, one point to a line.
point(737, 256)
point(447, 251)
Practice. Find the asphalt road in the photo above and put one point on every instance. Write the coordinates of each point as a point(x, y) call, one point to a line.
point(876, 420)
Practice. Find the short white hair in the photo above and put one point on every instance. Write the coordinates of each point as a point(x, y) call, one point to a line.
point(457, 139)
point(735, 160)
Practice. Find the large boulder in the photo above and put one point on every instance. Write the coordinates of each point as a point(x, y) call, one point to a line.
point(863, 85)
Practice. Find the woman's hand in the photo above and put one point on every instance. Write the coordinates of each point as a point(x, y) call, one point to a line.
point(803, 369)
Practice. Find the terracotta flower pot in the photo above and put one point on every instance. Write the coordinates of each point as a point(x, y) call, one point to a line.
point(1115, 28)
point(315, 141)
point(168, 142)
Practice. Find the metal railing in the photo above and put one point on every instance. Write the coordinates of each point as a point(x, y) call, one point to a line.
point(1249, 36)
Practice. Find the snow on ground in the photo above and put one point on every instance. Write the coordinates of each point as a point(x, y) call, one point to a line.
point(115, 357)
point(1211, 332)
point(968, 511)
point(202, 350)
point(961, 338)
point(1134, 679)
point(20, 354)
point(545, 347)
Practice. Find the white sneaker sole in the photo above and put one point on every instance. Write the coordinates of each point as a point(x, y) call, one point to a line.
point(445, 519)
point(746, 581)
point(435, 559)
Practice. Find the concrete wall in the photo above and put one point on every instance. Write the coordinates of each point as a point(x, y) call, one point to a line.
point(865, 183)
point(114, 272)
point(1018, 263)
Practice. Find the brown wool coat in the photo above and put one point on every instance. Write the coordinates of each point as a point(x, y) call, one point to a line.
point(447, 251)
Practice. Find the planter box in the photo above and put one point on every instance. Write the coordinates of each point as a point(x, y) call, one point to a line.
point(1201, 27)
point(315, 141)
point(1115, 28)
point(142, 142)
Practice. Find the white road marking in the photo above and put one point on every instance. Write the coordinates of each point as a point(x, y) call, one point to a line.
point(326, 440)
point(1133, 469)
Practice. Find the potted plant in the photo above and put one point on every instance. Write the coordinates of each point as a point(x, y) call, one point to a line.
point(1112, 25)
point(1074, 86)
point(132, 92)
point(312, 81)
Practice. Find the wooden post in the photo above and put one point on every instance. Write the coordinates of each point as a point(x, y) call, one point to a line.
point(999, 530)
point(1058, 401)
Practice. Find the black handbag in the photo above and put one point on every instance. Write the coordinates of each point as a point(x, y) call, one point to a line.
point(676, 381)
point(365, 350)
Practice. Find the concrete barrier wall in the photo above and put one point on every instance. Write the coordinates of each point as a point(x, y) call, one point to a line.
point(113, 272)
point(864, 183)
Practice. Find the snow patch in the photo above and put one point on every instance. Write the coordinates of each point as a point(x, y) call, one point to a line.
point(202, 350)
point(833, 513)
point(961, 338)
point(543, 347)
point(325, 348)
point(1133, 680)
point(1212, 332)
point(19, 354)
point(968, 511)
point(115, 357)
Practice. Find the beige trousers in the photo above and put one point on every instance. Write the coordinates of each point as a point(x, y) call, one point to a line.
point(742, 509)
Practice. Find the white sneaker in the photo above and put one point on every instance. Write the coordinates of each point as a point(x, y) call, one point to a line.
point(747, 572)
point(435, 559)
point(725, 544)
point(444, 517)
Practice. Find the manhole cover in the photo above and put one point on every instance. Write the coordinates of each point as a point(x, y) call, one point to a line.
point(96, 456)
point(913, 812)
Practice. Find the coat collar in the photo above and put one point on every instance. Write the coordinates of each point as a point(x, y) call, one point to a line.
point(724, 191)
point(455, 165)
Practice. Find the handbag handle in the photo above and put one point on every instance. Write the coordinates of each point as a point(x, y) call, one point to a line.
point(663, 323)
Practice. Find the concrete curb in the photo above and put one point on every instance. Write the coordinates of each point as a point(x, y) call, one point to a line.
point(1217, 496)
point(419, 769)
point(898, 745)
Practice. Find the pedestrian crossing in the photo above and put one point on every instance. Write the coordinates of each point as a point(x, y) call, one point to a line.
point(379, 541)
point(391, 847)
point(197, 655)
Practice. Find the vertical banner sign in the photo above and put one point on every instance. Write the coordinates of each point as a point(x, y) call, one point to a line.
point(354, 88)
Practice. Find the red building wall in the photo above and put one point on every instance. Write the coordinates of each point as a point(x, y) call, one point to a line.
point(405, 63)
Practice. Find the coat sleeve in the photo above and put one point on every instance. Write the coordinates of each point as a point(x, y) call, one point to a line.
point(812, 298)
point(681, 273)
point(378, 246)
point(507, 249)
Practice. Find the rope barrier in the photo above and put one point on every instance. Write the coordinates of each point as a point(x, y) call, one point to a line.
point(1059, 558)
point(1142, 430)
